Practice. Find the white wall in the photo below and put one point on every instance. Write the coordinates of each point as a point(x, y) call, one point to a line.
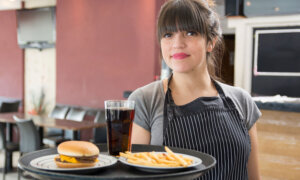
point(40, 74)
point(39, 3)
point(40, 69)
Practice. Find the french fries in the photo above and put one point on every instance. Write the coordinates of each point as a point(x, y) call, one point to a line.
point(168, 159)
point(178, 158)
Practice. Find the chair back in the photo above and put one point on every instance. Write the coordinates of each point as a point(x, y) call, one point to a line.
point(29, 136)
point(59, 112)
point(76, 114)
point(100, 134)
point(10, 106)
point(100, 116)
point(2, 136)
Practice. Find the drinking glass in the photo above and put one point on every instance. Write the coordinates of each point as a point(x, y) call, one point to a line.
point(119, 118)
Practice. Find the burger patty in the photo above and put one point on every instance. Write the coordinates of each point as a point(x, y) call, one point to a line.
point(90, 159)
point(87, 159)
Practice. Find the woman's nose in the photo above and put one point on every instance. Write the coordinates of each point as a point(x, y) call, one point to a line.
point(178, 41)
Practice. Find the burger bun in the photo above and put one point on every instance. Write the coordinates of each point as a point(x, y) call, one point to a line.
point(78, 148)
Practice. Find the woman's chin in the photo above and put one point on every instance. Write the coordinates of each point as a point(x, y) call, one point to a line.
point(181, 70)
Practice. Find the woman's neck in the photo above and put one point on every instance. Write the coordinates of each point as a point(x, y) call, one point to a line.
point(186, 87)
point(191, 80)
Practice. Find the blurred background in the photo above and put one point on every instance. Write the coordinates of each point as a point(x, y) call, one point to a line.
point(82, 52)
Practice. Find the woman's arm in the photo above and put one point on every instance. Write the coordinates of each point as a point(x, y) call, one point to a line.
point(253, 171)
point(140, 135)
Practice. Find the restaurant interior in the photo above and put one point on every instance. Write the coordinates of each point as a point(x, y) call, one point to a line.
point(61, 59)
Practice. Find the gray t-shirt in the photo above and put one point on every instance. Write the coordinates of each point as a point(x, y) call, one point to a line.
point(149, 107)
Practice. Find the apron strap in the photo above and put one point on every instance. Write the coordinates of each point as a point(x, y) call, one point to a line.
point(167, 103)
point(218, 87)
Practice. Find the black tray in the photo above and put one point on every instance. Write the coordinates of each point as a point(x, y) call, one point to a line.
point(119, 170)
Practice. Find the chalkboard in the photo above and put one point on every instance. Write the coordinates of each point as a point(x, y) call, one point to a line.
point(276, 61)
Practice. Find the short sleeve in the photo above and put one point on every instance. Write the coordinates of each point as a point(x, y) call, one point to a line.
point(141, 116)
point(252, 113)
point(244, 103)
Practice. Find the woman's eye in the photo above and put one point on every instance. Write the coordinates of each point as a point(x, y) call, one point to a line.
point(167, 35)
point(191, 33)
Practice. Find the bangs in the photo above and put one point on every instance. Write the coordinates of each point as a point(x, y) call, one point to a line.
point(181, 16)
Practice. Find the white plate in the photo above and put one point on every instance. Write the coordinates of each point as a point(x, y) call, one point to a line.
point(47, 163)
point(196, 162)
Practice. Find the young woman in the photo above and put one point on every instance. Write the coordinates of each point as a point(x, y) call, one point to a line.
point(191, 109)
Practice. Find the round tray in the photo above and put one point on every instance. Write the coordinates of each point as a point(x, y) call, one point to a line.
point(119, 170)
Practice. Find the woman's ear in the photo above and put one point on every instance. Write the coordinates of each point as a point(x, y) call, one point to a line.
point(211, 45)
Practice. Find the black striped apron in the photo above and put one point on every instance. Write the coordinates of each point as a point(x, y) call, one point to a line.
point(211, 125)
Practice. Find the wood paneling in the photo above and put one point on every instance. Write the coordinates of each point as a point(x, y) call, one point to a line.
point(279, 145)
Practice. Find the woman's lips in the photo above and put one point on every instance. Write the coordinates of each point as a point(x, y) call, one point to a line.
point(179, 56)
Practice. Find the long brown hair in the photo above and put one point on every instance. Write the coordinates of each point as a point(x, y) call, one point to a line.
point(194, 15)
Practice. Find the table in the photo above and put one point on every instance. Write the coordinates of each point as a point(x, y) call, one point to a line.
point(119, 170)
point(46, 122)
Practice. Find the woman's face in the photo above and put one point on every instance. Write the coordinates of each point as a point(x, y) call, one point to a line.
point(184, 51)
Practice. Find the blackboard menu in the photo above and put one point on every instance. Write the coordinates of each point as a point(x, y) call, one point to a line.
point(276, 61)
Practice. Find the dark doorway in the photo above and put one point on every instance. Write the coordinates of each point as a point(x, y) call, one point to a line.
point(227, 73)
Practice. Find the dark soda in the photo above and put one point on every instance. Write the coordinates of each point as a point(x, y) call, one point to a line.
point(119, 125)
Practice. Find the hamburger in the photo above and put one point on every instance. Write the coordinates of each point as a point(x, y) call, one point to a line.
point(76, 154)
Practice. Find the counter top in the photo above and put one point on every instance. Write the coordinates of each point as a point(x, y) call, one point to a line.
point(279, 103)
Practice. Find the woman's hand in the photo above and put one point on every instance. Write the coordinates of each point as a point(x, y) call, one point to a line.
point(140, 135)
point(253, 171)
